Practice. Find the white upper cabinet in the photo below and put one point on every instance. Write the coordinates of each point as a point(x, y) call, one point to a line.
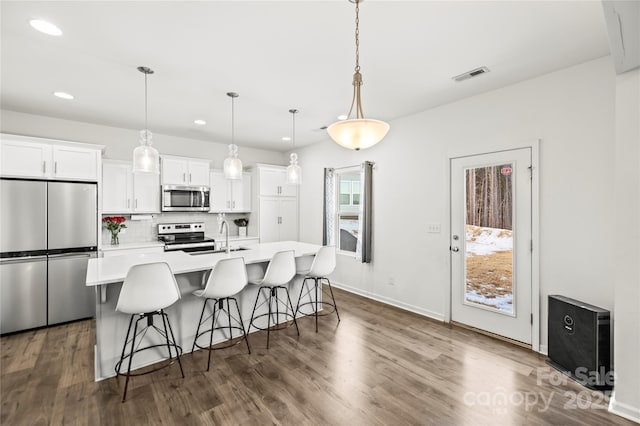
point(230, 195)
point(273, 183)
point(116, 187)
point(74, 163)
point(127, 192)
point(146, 193)
point(22, 156)
point(184, 171)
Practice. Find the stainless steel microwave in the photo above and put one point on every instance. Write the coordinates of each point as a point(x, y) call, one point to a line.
point(179, 198)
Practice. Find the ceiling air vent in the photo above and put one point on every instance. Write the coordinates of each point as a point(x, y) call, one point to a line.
point(470, 74)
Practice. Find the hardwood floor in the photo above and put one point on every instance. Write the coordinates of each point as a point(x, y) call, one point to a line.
point(380, 366)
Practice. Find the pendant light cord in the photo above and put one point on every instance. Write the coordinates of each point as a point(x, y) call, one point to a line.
point(233, 121)
point(357, 68)
point(293, 112)
point(146, 124)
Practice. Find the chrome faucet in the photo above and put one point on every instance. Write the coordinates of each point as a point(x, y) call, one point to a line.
point(224, 226)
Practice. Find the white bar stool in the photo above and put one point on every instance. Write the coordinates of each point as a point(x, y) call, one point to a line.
point(147, 290)
point(227, 279)
point(281, 270)
point(324, 263)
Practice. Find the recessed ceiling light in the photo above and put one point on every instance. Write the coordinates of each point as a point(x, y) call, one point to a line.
point(45, 27)
point(63, 95)
point(342, 117)
point(286, 138)
point(200, 122)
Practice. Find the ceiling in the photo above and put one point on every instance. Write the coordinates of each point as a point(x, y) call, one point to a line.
point(278, 55)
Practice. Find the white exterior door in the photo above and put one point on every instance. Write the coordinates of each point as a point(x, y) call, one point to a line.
point(491, 240)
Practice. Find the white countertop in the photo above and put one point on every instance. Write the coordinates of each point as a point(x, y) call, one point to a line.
point(114, 269)
point(136, 245)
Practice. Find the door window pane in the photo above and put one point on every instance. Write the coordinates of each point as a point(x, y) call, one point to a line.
point(489, 237)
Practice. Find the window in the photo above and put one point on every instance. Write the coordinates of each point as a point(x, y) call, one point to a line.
point(348, 214)
point(347, 210)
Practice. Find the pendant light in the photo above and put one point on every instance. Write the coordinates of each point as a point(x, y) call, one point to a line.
point(294, 172)
point(232, 164)
point(146, 158)
point(359, 132)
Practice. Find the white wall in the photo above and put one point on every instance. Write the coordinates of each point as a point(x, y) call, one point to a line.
point(571, 111)
point(120, 142)
point(626, 400)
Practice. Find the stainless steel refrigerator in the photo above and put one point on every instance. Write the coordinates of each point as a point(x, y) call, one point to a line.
point(48, 232)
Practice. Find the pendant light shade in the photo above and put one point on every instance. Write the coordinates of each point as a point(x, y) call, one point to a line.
point(146, 158)
point(294, 172)
point(232, 164)
point(359, 132)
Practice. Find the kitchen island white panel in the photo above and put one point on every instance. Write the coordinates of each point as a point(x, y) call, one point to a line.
point(191, 271)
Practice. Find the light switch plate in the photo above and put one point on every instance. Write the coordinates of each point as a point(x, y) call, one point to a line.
point(433, 228)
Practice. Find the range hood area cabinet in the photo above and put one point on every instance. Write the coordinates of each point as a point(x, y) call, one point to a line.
point(184, 171)
point(230, 195)
point(126, 192)
point(276, 205)
point(38, 158)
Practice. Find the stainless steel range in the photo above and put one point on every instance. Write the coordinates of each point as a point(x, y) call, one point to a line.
point(188, 237)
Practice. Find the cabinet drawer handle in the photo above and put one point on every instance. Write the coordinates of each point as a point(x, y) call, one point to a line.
point(184, 177)
point(228, 204)
point(189, 177)
point(44, 167)
point(55, 167)
point(136, 205)
point(128, 203)
point(234, 204)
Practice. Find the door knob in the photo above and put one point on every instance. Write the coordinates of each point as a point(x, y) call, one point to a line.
point(455, 249)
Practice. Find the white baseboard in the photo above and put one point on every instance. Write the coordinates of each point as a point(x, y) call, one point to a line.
point(623, 410)
point(544, 350)
point(389, 301)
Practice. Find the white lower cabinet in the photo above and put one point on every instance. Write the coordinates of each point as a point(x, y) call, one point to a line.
point(126, 192)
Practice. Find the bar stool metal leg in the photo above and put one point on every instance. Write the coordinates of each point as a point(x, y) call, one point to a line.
point(335, 305)
point(133, 344)
point(213, 323)
point(244, 333)
point(204, 306)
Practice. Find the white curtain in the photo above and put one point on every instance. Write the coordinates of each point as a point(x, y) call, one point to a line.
point(329, 234)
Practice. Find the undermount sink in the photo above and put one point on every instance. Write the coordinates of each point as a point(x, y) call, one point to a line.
point(233, 249)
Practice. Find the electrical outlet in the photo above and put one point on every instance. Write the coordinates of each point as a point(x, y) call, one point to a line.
point(433, 228)
point(391, 281)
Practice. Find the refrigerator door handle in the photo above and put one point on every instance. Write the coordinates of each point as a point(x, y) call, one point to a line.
point(70, 255)
point(10, 260)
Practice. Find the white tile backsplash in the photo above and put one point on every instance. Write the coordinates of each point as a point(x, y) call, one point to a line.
point(147, 230)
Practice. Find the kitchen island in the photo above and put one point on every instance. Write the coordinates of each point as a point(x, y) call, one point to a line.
point(191, 272)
